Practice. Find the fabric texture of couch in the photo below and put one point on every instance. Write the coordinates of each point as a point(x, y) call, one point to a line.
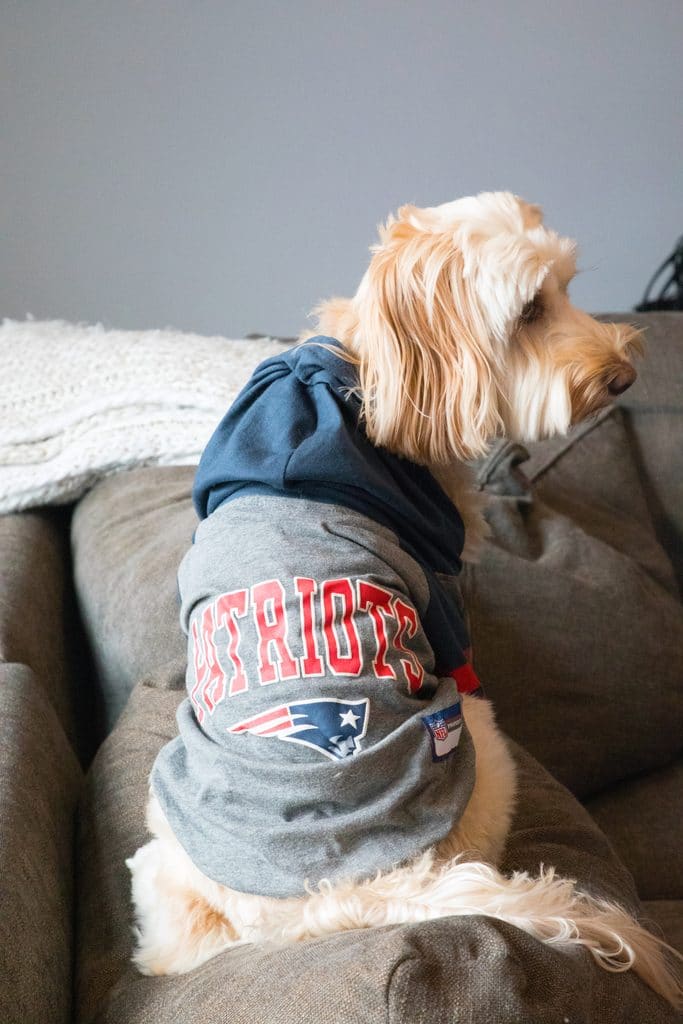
point(577, 628)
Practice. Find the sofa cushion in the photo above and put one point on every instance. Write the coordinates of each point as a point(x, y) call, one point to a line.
point(129, 535)
point(575, 619)
point(642, 818)
point(666, 918)
point(654, 407)
point(452, 969)
point(33, 556)
point(39, 784)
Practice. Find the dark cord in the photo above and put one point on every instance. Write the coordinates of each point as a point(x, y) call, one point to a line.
point(661, 300)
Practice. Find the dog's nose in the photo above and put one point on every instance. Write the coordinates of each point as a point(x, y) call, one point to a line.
point(622, 380)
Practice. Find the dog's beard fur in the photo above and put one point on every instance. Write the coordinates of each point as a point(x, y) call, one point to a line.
point(462, 331)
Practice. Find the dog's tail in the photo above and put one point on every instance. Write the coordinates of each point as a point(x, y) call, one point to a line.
point(551, 909)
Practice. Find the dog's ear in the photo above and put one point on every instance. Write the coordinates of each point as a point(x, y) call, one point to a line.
point(508, 253)
point(532, 215)
point(505, 250)
point(426, 377)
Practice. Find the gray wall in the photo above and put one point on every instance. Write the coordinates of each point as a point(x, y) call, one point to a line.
point(219, 166)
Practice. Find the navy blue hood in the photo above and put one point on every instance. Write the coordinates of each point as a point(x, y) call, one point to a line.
point(295, 430)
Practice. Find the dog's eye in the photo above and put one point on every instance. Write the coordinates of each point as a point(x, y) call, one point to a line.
point(531, 312)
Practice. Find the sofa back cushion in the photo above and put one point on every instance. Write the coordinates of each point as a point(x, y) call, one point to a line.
point(575, 619)
point(654, 407)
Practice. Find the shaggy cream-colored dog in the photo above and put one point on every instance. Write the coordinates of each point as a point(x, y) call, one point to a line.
point(461, 331)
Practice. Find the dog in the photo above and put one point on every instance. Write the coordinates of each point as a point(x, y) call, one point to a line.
point(324, 777)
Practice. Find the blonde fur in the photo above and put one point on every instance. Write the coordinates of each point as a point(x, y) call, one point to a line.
point(446, 359)
point(462, 331)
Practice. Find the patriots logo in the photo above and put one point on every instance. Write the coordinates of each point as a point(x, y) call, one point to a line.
point(330, 726)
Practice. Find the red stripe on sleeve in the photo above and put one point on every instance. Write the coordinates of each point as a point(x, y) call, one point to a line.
point(466, 679)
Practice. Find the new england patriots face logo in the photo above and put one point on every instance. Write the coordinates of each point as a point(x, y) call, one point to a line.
point(330, 726)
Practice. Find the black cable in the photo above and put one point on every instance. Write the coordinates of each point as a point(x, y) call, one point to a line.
point(660, 301)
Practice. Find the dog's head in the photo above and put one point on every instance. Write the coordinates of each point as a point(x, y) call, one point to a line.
point(463, 331)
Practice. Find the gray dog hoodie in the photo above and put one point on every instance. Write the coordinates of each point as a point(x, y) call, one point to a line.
point(322, 736)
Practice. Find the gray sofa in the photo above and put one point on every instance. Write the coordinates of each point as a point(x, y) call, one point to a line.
point(577, 628)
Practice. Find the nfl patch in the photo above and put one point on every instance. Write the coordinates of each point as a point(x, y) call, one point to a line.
point(444, 728)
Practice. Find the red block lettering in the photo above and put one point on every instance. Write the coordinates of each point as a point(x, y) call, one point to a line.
point(340, 592)
point(407, 623)
point(377, 600)
point(228, 607)
point(210, 678)
point(272, 629)
point(311, 662)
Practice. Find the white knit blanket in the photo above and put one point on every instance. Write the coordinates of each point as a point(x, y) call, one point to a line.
point(79, 402)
